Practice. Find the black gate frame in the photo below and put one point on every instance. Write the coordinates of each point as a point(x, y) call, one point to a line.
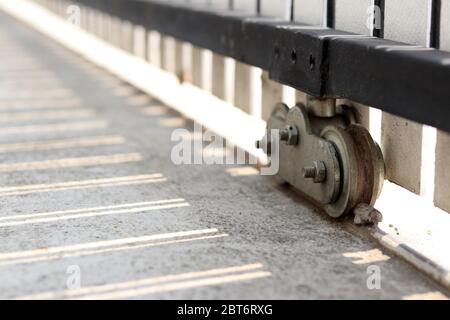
point(405, 80)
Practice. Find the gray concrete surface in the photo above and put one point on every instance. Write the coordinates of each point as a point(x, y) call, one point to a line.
point(221, 235)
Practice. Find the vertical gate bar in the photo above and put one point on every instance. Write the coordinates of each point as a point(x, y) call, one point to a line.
point(183, 57)
point(179, 60)
point(61, 12)
point(220, 64)
point(127, 36)
point(444, 25)
point(99, 24)
point(273, 92)
point(218, 76)
point(139, 42)
point(331, 9)
point(311, 12)
point(359, 16)
point(314, 13)
point(351, 15)
point(247, 79)
point(442, 175)
point(375, 116)
point(95, 29)
point(436, 23)
point(58, 9)
point(106, 27)
point(168, 47)
point(184, 61)
point(402, 140)
point(153, 49)
point(167, 52)
point(82, 17)
point(113, 30)
point(378, 25)
point(90, 16)
point(197, 66)
point(201, 60)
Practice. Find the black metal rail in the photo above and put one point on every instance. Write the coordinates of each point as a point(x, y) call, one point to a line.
point(408, 81)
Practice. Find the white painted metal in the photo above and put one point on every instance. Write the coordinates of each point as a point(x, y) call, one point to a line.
point(311, 12)
point(153, 49)
point(407, 145)
point(249, 6)
point(201, 59)
point(445, 25)
point(222, 68)
point(442, 176)
point(139, 42)
point(353, 15)
point(408, 21)
point(219, 4)
point(168, 57)
point(273, 92)
point(247, 84)
point(357, 16)
point(276, 8)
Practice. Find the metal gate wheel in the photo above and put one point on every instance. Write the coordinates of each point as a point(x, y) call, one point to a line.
point(333, 161)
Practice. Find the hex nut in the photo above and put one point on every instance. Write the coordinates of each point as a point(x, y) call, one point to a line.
point(317, 172)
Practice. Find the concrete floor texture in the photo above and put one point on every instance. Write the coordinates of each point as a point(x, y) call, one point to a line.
point(92, 206)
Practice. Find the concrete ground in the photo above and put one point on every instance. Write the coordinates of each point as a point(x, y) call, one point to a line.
point(93, 207)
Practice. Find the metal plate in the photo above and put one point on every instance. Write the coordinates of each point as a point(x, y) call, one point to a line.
point(292, 158)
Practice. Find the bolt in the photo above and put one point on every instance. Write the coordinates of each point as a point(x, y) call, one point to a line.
point(290, 135)
point(309, 172)
point(317, 172)
point(284, 134)
point(265, 144)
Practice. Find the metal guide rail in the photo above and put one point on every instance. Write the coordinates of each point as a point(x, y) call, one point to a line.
point(405, 80)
